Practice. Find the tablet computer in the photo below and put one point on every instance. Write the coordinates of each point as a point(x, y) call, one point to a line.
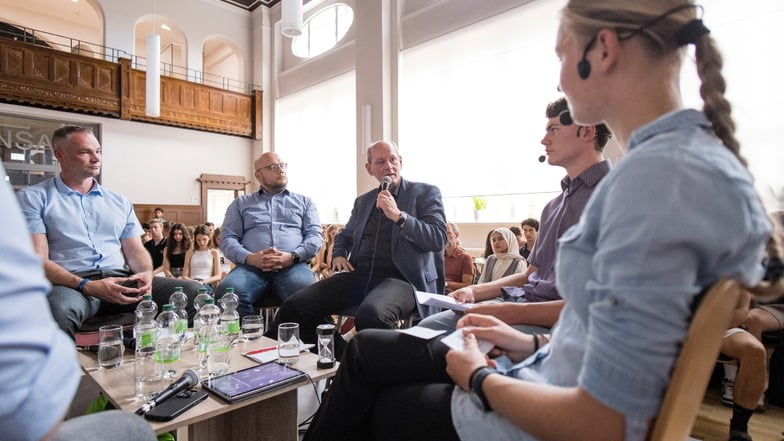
point(252, 381)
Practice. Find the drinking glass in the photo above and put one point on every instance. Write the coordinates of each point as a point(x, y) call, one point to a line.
point(288, 343)
point(110, 346)
point(252, 327)
point(219, 356)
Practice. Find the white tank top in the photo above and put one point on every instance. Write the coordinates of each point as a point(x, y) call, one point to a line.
point(201, 264)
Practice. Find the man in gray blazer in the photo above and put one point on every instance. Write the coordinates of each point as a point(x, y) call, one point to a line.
point(392, 244)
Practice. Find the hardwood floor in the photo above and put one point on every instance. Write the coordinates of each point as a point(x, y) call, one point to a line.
point(713, 421)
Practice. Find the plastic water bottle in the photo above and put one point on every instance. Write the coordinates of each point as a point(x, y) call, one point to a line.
point(144, 326)
point(147, 369)
point(230, 318)
point(180, 301)
point(208, 316)
point(169, 340)
point(198, 302)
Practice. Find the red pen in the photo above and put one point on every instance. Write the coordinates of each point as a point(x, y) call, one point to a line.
point(258, 351)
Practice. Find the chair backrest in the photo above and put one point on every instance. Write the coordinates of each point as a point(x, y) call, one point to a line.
point(694, 366)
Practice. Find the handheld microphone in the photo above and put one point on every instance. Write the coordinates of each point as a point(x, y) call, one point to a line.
point(189, 379)
point(385, 183)
point(542, 158)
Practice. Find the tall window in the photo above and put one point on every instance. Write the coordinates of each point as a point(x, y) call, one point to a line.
point(472, 102)
point(323, 30)
point(316, 135)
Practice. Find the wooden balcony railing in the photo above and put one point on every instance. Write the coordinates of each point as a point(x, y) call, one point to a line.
point(43, 77)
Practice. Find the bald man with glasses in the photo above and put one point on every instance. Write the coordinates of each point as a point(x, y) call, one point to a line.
point(270, 235)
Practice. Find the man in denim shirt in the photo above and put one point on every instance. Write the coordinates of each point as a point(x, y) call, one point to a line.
point(270, 235)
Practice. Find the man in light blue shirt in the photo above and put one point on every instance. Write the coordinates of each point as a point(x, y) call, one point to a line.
point(89, 238)
point(38, 370)
point(270, 235)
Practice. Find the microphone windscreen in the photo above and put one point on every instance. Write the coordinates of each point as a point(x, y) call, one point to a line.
point(542, 158)
point(385, 183)
point(193, 377)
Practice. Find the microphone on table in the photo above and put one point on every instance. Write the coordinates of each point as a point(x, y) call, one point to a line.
point(542, 158)
point(385, 183)
point(189, 379)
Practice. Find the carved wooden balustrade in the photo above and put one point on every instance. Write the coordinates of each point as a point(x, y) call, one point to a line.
point(44, 77)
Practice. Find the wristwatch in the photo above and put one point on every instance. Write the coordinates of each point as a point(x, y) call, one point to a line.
point(294, 258)
point(402, 219)
point(476, 380)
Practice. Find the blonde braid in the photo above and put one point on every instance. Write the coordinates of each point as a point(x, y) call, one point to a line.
point(716, 107)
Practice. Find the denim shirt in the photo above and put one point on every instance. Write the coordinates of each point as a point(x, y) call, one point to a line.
point(257, 221)
point(39, 374)
point(83, 230)
point(676, 214)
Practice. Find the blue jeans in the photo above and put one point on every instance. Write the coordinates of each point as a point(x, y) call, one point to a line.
point(251, 284)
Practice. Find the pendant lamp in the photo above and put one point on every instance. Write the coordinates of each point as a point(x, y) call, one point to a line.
point(291, 18)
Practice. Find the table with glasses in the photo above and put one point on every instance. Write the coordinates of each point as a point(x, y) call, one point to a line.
point(268, 416)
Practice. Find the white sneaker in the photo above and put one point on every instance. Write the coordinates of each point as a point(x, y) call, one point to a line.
point(727, 397)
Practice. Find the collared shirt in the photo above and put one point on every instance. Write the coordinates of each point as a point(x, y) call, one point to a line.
point(39, 374)
point(457, 264)
point(156, 251)
point(557, 216)
point(83, 230)
point(677, 214)
point(287, 221)
point(374, 253)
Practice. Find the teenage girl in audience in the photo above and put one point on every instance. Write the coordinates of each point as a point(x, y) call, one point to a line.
point(177, 244)
point(505, 260)
point(225, 264)
point(628, 274)
point(202, 263)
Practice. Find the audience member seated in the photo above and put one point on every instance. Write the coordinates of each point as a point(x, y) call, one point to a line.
point(505, 260)
point(531, 300)
point(156, 245)
point(178, 243)
point(744, 384)
point(323, 263)
point(488, 245)
point(202, 263)
point(458, 265)
point(530, 232)
point(146, 236)
point(157, 213)
point(225, 264)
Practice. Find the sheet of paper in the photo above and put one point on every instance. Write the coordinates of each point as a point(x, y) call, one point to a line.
point(421, 332)
point(264, 355)
point(456, 341)
point(439, 300)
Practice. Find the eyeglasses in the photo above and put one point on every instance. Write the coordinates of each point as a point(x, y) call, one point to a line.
point(274, 167)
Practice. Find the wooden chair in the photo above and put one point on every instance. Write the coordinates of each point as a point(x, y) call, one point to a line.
point(694, 365)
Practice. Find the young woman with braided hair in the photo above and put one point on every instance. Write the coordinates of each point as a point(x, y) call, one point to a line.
point(677, 214)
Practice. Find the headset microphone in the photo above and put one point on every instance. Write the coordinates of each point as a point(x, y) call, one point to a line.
point(542, 158)
point(584, 66)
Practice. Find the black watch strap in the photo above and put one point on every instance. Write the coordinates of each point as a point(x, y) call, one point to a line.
point(402, 219)
point(295, 259)
point(477, 378)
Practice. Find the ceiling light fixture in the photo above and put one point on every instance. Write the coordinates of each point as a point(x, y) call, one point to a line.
point(291, 18)
point(152, 99)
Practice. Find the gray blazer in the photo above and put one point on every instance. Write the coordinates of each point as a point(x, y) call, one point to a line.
point(418, 247)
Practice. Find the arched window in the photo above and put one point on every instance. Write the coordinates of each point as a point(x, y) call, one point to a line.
point(323, 30)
